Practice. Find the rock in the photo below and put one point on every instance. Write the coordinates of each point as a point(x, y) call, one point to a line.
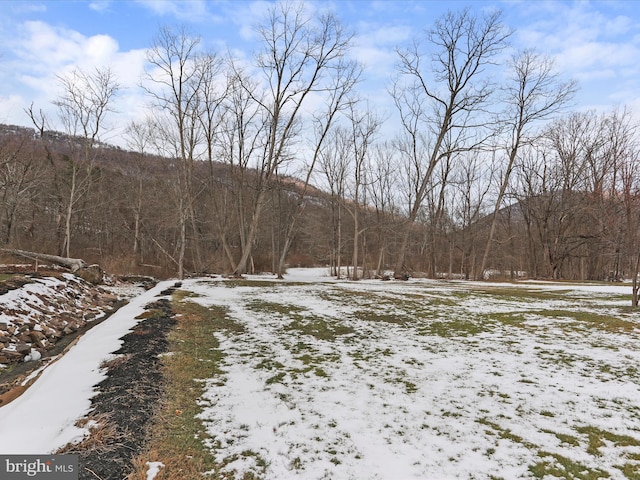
point(38, 338)
point(4, 326)
point(24, 337)
point(23, 348)
point(92, 274)
point(11, 355)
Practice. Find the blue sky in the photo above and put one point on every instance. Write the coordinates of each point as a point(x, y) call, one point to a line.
point(595, 42)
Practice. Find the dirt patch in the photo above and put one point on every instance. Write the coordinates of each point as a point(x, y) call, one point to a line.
point(126, 399)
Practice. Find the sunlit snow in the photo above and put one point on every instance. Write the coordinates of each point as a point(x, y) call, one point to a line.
point(445, 393)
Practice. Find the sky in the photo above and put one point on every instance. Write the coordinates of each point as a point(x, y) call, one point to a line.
point(596, 43)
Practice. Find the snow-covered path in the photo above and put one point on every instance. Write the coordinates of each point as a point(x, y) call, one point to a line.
point(43, 418)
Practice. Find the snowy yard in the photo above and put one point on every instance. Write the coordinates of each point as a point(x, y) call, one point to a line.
point(420, 379)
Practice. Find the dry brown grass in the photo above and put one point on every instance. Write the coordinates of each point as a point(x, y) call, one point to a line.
point(115, 362)
point(176, 436)
point(103, 434)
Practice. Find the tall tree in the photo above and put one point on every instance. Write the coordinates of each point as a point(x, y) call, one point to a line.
point(360, 132)
point(173, 83)
point(85, 101)
point(334, 167)
point(535, 93)
point(21, 178)
point(382, 166)
point(139, 140)
point(298, 58)
point(456, 87)
point(344, 80)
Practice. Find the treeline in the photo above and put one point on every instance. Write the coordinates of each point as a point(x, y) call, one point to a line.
point(488, 174)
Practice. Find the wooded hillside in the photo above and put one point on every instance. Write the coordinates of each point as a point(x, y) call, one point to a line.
point(126, 219)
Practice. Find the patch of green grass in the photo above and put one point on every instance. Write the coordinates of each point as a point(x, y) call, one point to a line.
point(243, 282)
point(182, 295)
point(378, 316)
point(277, 378)
point(268, 364)
point(564, 438)
point(271, 308)
point(215, 315)
point(456, 327)
point(504, 432)
point(177, 436)
point(410, 387)
point(630, 470)
point(558, 466)
point(520, 294)
point(605, 322)
point(597, 439)
point(320, 328)
point(508, 318)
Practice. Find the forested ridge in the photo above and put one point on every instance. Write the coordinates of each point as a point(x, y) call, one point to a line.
point(243, 168)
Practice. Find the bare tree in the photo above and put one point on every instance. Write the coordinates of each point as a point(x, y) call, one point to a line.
point(382, 166)
point(471, 183)
point(344, 80)
point(21, 176)
point(173, 83)
point(360, 132)
point(535, 93)
point(240, 140)
point(82, 107)
point(295, 65)
point(456, 88)
point(139, 140)
point(334, 166)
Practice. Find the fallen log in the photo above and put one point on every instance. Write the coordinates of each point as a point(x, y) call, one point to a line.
point(90, 273)
point(73, 264)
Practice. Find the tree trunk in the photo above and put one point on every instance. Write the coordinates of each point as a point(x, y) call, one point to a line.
point(73, 264)
point(635, 289)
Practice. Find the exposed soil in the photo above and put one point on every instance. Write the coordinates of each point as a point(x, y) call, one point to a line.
point(126, 399)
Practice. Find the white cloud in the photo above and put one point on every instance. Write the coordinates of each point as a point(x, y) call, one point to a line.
point(40, 53)
point(11, 108)
point(100, 5)
point(27, 7)
point(194, 11)
point(592, 43)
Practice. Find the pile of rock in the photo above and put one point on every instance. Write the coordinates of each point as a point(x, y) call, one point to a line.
point(36, 312)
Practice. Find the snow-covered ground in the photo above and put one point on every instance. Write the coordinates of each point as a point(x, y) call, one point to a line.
point(390, 380)
point(420, 379)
